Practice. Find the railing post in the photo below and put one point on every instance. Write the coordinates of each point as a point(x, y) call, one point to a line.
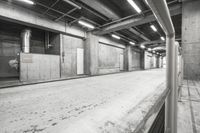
point(172, 81)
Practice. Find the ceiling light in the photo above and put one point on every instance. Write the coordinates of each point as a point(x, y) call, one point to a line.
point(146, 2)
point(73, 4)
point(142, 46)
point(153, 28)
point(115, 36)
point(86, 24)
point(149, 49)
point(27, 1)
point(162, 38)
point(132, 43)
point(135, 6)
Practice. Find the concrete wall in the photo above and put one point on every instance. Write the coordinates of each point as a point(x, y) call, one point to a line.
point(69, 55)
point(147, 60)
point(9, 47)
point(136, 60)
point(109, 58)
point(191, 39)
point(109, 52)
point(39, 67)
point(150, 61)
point(102, 55)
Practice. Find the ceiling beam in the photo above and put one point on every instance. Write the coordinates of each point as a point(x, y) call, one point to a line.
point(152, 42)
point(158, 45)
point(101, 8)
point(139, 34)
point(156, 42)
point(131, 22)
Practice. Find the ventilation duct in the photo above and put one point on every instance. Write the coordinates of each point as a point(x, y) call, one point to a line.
point(25, 35)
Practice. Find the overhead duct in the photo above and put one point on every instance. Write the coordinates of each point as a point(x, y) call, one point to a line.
point(26, 35)
point(161, 12)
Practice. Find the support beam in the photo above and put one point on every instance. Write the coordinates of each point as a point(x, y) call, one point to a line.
point(128, 55)
point(14, 13)
point(101, 8)
point(139, 34)
point(131, 22)
point(72, 10)
point(152, 42)
point(91, 54)
point(157, 41)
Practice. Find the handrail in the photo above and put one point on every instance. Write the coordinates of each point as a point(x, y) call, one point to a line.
point(161, 12)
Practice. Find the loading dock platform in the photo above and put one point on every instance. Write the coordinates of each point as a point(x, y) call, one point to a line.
point(111, 102)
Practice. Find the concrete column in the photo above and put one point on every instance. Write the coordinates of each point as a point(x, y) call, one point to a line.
point(142, 59)
point(91, 54)
point(191, 39)
point(128, 58)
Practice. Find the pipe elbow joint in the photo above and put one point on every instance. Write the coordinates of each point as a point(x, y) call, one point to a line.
point(170, 35)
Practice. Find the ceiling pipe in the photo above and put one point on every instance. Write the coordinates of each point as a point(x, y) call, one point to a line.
point(161, 12)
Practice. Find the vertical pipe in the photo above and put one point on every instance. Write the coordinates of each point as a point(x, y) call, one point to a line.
point(170, 63)
point(25, 35)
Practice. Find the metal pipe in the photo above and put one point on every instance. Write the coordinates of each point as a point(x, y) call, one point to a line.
point(161, 12)
point(72, 10)
point(25, 35)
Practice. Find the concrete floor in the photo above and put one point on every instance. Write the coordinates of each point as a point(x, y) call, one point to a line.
point(189, 107)
point(51, 107)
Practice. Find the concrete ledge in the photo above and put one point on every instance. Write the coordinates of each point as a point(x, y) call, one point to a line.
point(8, 84)
point(120, 117)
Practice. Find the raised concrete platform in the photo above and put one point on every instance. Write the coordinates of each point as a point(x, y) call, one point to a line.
point(189, 107)
point(16, 82)
point(125, 102)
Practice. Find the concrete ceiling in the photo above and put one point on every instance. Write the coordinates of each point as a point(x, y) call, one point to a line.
point(109, 16)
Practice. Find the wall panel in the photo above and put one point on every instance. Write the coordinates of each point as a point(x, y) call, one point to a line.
point(39, 67)
point(109, 58)
point(69, 58)
point(136, 57)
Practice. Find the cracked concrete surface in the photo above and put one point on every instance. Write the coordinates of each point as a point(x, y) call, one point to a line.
point(48, 106)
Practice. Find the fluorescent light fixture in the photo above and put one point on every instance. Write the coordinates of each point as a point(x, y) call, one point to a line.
point(162, 38)
point(132, 43)
point(146, 2)
point(153, 28)
point(135, 6)
point(86, 24)
point(149, 49)
point(27, 1)
point(116, 37)
point(142, 46)
point(73, 4)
